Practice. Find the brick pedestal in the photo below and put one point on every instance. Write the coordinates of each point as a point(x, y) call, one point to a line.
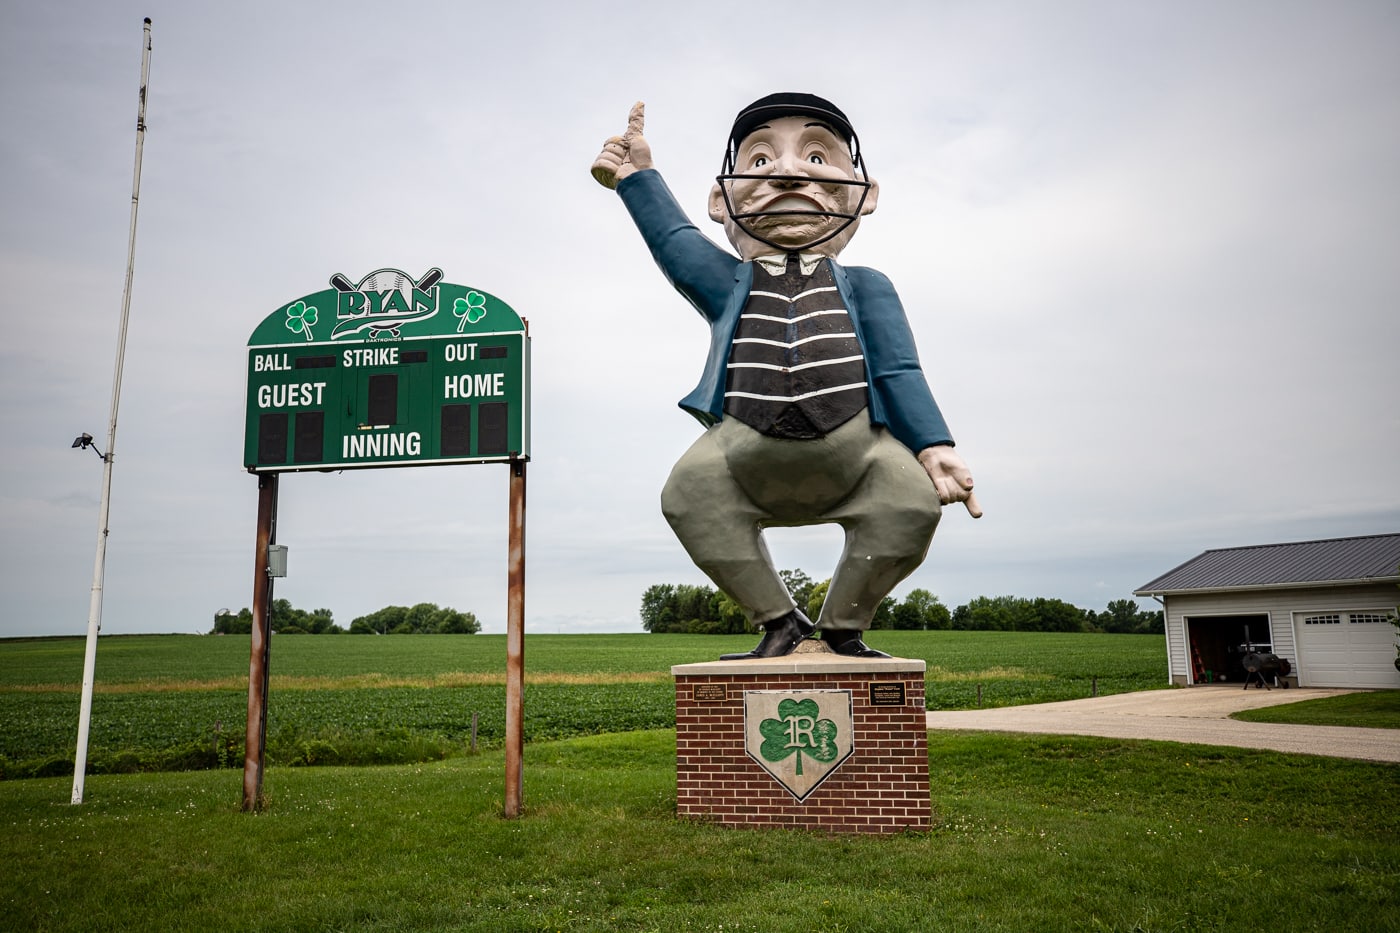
point(882, 787)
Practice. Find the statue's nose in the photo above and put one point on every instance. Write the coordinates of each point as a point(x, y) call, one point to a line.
point(788, 164)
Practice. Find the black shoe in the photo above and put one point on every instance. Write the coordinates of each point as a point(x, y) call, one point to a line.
point(848, 643)
point(780, 637)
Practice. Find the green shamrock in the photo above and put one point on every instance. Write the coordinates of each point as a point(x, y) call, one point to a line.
point(300, 318)
point(469, 309)
point(798, 731)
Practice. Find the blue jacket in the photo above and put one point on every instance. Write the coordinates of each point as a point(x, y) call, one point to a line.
point(718, 285)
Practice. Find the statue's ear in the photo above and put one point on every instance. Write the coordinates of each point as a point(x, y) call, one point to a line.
point(718, 212)
point(872, 196)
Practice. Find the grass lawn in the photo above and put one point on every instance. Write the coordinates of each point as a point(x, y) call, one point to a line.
point(1379, 709)
point(1032, 833)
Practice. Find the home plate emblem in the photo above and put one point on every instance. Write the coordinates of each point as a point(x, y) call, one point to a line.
point(800, 737)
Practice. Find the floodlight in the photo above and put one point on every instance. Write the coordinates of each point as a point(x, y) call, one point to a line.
point(84, 440)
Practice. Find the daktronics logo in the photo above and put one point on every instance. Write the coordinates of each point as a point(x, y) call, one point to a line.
point(383, 302)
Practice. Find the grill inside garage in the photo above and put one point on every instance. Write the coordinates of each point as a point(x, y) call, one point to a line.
point(1220, 645)
point(1345, 649)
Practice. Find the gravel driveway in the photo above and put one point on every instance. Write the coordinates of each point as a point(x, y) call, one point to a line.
point(1191, 714)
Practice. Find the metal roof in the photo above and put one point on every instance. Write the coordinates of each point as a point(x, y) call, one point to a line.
point(1370, 559)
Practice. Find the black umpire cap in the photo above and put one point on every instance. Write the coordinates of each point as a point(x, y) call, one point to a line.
point(789, 104)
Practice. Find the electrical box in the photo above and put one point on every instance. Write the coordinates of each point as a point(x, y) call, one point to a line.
point(276, 560)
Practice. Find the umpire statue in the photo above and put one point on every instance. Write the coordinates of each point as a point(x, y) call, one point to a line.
point(814, 405)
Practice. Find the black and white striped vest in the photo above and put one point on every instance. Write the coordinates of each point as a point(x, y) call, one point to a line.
point(795, 367)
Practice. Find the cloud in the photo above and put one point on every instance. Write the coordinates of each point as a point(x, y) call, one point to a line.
point(1146, 252)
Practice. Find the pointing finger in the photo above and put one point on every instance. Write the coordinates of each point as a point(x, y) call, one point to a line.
point(973, 508)
point(635, 119)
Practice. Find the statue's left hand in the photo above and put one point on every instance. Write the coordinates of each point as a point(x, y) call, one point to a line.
point(950, 476)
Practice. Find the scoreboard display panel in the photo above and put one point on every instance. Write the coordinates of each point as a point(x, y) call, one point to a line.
point(391, 371)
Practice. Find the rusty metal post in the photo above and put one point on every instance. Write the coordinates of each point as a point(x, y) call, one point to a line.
point(515, 643)
point(260, 653)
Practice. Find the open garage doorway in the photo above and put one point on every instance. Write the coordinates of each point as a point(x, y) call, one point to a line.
point(1218, 644)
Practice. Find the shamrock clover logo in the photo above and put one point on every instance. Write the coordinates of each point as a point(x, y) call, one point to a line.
point(300, 317)
point(798, 731)
point(469, 310)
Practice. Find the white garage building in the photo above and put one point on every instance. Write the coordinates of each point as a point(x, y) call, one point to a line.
point(1325, 606)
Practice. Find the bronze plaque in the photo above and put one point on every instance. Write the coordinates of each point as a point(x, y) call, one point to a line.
point(711, 693)
point(887, 694)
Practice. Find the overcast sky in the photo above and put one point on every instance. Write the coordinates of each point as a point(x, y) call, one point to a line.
point(1150, 251)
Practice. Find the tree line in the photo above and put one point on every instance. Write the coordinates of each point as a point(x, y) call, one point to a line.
point(285, 619)
point(703, 610)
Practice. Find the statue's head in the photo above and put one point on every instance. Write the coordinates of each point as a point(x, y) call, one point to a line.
point(793, 178)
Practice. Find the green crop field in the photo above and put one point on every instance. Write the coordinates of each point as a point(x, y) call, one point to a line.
point(177, 702)
point(1139, 661)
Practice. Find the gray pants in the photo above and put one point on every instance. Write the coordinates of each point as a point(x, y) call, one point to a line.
point(733, 482)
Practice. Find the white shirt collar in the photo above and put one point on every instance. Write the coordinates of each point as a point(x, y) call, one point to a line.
point(777, 262)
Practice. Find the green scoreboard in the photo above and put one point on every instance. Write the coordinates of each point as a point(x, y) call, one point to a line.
point(389, 371)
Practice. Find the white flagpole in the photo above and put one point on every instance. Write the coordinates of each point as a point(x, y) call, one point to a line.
point(95, 605)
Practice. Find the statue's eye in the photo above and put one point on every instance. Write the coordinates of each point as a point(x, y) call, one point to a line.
point(760, 162)
point(816, 159)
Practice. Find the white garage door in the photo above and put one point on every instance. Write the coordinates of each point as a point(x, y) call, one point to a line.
point(1346, 649)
